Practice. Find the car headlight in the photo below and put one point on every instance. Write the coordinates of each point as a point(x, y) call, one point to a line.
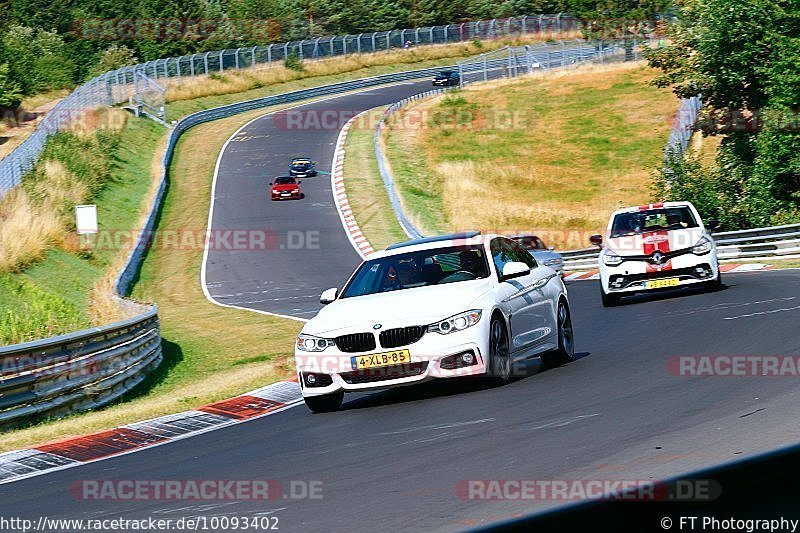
point(295, 190)
point(702, 247)
point(309, 343)
point(553, 262)
point(610, 258)
point(457, 322)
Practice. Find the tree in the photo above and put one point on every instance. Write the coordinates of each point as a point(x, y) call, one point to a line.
point(10, 91)
point(742, 56)
point(37, 59)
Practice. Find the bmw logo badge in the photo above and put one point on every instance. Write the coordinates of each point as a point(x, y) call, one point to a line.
point(377, 326)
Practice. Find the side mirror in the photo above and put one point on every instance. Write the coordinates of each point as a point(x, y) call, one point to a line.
point(328, 296)
point(551, 248)
point(270, 183)
point(597, 240)
point(515, 269)
point(299, 182)
point(711, 225)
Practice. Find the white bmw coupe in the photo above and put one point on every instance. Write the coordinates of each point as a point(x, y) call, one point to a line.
point(439, 307)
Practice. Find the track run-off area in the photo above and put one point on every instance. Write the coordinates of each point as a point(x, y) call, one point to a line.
point(395, 460)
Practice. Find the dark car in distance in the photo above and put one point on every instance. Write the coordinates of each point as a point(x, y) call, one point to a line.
point(446, 78)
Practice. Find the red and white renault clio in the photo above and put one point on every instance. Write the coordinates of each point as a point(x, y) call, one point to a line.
point(656, 246)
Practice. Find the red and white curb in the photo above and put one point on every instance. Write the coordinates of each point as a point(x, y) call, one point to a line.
point(75, 451)
point(728, 267)
point(357, 239)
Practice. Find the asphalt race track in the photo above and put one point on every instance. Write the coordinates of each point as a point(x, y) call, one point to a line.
point(308, 250)
point(391, 460)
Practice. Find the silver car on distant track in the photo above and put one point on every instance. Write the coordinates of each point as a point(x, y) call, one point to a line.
point(542, 253)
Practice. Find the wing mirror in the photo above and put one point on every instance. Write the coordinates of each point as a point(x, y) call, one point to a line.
point(712, 225)
point(270, 183)
point(597, 240)
point(515, 269)
point(329, 296)
point(551, 248)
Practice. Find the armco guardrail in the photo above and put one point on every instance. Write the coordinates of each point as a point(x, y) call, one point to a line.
point(90, 368)
point(119, 85)
point(773, 241)
point(77, 371)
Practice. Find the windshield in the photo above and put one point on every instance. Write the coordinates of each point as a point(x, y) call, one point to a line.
point(284, 181)
point(530, 242)
point(301, 164)
point(669, 218)
point(418, 269)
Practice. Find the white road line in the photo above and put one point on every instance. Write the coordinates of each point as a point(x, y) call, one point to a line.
point(770, 312)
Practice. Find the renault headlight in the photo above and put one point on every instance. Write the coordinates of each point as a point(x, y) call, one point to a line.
point(309, 343)
point(457, 322)
point(702, 247)
point(610, 258)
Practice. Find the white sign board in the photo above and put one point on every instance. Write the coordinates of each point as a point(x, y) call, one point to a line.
point(86, 219)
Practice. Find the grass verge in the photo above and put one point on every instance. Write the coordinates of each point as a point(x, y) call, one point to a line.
point(553, 153)
point(53, 286)
point(201, 366)
point(365, 190)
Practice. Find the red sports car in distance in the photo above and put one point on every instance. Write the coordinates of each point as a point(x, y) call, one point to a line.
point(285, 188)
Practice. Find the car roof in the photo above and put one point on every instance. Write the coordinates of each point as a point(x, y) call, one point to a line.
point(301, 160)
point(467, 238)
point(658, 205)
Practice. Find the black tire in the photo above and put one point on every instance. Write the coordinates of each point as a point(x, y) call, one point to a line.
point(326, 403)
point(499, 354)
point(565, 352)
point(609, 300)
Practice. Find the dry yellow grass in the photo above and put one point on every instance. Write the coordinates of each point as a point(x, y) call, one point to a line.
point(251, 78)
point(579, 144)
point(28, 229)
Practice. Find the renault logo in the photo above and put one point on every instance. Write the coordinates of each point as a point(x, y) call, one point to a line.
point(657, 258)
point(377, 326)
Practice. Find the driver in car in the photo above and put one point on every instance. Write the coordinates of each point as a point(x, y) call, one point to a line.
point(470, 262)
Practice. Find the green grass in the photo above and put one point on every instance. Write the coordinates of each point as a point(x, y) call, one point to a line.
point(52, 296)
point(364, 186)
point(552, 153)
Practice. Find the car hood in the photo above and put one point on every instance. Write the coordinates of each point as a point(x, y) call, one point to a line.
point(285, 187)
point(648, 242)
point(407, 307)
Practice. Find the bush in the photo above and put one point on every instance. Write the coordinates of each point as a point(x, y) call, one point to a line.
point(10, 91)
point(293, 62)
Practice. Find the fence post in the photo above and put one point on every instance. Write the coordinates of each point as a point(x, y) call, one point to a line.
point(221, 60)
point(344, 45)
point(373, 40)
point(358, 43)
point(269, 55)
point(485, 68)
point(253, 56)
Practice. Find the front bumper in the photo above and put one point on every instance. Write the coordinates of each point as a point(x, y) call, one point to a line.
point(290, 196)
point(631, 276)
point(431, 357)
